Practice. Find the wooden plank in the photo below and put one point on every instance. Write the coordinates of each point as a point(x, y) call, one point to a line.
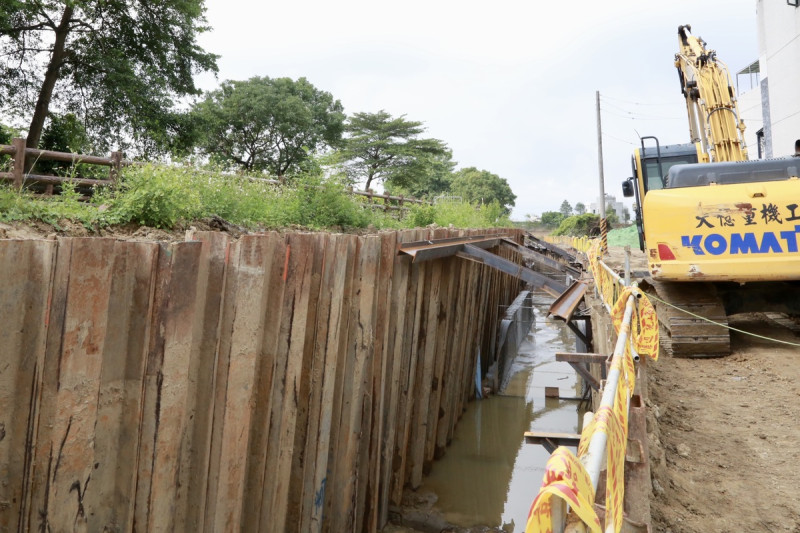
point(455, 356)
point(170, 354)
point(444, 341)
point(336, 472)
point(382, 368)
point(116, 445)
point(36, 505)
point(71, 426)
point(27, 268)
point(426, 375)
point(258, 495)
point(287, 378)
point(467, 352)
point(586, 375)
point(305, 517)
point(196, 449)
point(397, 353)
point(410, 350)
point(581, 357)
point(151, 385)
point(329, 327)
point(562, 439)
point(240, 345)
point(360, 351)
point(308, 388)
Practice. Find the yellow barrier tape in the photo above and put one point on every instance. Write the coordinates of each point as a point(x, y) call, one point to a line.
point(566, 478)
point(613, 421)
point(644, 323)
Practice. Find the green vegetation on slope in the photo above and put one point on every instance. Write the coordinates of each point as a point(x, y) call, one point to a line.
point(170, 197)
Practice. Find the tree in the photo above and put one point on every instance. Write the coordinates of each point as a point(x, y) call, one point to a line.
point(580, 208)
point(6, 134)
point(118, 65)
point(267, 124)
point(63, 133)
point(565, 209)
point(435, 180)
point(385, 149)
point(611, 215)
point(481, 186)
point(552, 219)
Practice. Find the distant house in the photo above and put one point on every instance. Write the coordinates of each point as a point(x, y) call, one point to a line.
point(611, 202)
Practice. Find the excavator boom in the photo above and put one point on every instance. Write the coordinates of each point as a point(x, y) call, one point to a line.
point(713, 113)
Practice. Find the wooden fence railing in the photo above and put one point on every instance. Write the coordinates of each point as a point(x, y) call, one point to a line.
point(20, 174)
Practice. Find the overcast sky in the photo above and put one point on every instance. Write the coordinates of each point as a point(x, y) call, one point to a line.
point(508, 85)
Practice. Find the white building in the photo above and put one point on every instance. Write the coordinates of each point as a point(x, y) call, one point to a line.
point(771, 109)
point(611, 202)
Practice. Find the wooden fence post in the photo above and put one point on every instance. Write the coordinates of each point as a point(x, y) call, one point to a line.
point(19, 162)
point(116, 163)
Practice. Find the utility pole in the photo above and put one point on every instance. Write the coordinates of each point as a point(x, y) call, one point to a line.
point(603, 221)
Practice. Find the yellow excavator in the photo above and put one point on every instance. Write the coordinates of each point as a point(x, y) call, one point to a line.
point(720, 232)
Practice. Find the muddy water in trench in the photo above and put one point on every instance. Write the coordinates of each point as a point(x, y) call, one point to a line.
point(488, 475)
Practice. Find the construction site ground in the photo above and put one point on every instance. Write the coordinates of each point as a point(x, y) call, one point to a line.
point(723, 432)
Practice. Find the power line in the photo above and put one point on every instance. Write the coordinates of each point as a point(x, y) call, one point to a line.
point(633, 102)
point(635, 116)
point(626, 113)
point(618, 139)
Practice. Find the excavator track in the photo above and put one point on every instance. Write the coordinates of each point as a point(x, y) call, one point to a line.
point(684, 335)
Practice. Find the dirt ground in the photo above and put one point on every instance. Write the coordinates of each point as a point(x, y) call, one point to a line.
point(724, 452)
point(723, 432)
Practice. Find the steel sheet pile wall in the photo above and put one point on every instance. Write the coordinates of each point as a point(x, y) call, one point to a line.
point(280, 382)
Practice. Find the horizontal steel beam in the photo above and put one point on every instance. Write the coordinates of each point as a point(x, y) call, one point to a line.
point(541, 259)
point(436, 249)
point(540, 281)
point(551, 248)
point(568, 301)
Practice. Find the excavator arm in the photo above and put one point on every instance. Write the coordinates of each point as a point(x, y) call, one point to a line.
point(714, 120)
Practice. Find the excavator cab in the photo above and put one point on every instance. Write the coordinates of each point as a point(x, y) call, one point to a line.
point(650, 165)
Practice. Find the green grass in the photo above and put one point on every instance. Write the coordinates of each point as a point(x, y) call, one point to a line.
point(171, 197)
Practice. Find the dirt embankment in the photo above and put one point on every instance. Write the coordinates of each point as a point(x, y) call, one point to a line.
point(724, 453)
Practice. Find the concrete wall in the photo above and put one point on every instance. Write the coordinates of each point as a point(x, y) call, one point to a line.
point(779, 61)
point(281, 382)
point(750, 111)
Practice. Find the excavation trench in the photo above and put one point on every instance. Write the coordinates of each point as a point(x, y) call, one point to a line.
point(489, 475)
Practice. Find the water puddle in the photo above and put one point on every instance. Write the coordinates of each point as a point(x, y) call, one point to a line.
point(489, 476)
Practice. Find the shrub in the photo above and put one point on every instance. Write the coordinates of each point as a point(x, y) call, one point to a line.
point(578, 225)
point(157, 196)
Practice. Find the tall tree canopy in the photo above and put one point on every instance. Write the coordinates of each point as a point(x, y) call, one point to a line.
point(267, 124)
point(481, 186)
point(386, 149)
point(435, 177)
point(566, 209)
point(116, 64)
